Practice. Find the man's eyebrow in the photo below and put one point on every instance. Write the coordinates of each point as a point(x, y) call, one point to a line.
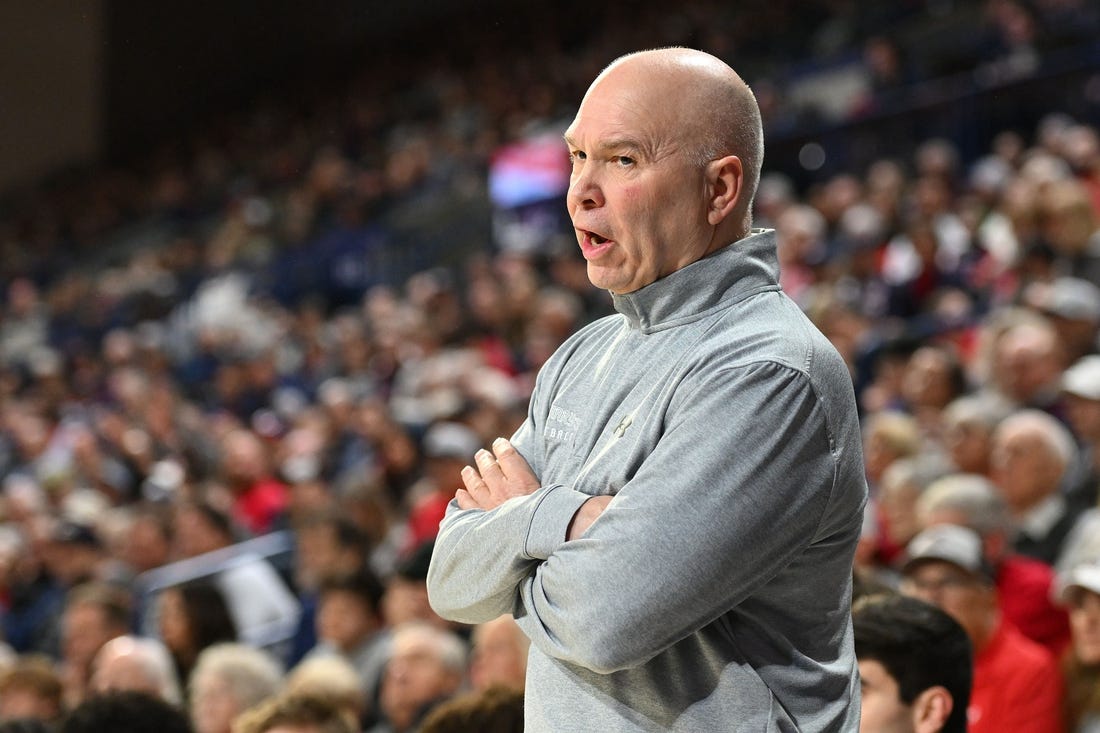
point(621, 143)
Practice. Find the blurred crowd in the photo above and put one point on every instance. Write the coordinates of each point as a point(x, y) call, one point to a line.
point(238, 382)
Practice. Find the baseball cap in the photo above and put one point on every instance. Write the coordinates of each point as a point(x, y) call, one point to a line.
point(960, 546)
point(1083, 378)
point(1083, 575)
point(450, 440)
point(1071, 298)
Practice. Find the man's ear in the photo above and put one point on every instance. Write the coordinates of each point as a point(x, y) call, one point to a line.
point(931, 709)
point(725, 178)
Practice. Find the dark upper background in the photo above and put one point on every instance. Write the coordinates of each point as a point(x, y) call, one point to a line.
point(110, 108)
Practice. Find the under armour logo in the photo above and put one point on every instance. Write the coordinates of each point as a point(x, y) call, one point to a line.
point(620, 429)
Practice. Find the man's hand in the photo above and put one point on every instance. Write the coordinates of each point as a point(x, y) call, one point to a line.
point(499, 476)
point(589, 512)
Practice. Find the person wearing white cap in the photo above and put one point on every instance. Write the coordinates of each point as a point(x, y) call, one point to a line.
point(447, 446)
point(1073, 306)
point(1081, 387)
point(1017, 683)
point(1079, 590)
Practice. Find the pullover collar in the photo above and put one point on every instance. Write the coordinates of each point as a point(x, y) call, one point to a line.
point(745, 267)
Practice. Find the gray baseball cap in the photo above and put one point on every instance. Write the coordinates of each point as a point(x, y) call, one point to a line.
point(960, 546)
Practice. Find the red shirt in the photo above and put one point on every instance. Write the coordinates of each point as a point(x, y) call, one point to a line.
point(258, 507)
point(1017, 686)
point(425, 517)
point(1023, 586)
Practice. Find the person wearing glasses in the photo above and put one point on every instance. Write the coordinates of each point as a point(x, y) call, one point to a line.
point(1017, 682)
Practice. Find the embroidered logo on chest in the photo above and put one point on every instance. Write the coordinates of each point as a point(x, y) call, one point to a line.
point(561, 425)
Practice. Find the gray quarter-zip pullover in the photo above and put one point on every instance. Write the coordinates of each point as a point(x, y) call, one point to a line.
point(713, 594)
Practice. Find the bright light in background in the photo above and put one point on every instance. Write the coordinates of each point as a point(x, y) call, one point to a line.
point(811, 156)
point(535, 169)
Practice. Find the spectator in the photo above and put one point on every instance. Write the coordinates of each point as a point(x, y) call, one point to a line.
point(492, 710)
point(94, 614)
point(192, 617)
point(968, 425)
point(447, 447)
point(933, 377)
point(133, 712)
point(1071, 226)
point(426, 666)
point(406, 594)
point(297, 713)
point(139, 664)
point(75, 555)
point(258, 497)
point(1017, 683)
point(900, 488)
point(1028, 365)
point(1023, 583)
point(915, 666)
point(1073, 307)
point(498, 656)
point(228, 679)
point(148, 543)
point(1081, 387)
point(1079, 590)
point(34, 599)
point(349, 625)
point(330, 677)
point(327, 543)
point(888, 436)
point(31, 689)
point(1032, 455)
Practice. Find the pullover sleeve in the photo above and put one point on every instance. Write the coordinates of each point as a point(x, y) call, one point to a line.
point(481, 557)
point(740, 484)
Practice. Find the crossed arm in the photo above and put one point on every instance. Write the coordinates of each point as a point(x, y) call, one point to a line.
point(504, 474)
point(708, 519)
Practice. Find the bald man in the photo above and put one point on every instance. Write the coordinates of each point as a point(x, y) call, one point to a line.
point(674, 524)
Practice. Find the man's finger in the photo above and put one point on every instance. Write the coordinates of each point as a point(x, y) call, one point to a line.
point(513, 465)
point(465, 501)
point(475, 487)
point(490, 470)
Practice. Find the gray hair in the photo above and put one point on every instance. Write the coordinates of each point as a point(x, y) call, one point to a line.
point(972, 495)
point(250, 675)
point(983, 409)
point(1056, 436)
point(154, 659)
point(449, 647)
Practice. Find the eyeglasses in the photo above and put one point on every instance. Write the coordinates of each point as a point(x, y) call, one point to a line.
point(938, 584)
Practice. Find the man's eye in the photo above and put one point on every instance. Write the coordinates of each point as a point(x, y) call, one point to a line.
point(577, 155)
point(624, 160)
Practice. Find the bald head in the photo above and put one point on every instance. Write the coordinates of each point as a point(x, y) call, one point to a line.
point(702, 98)
point(665, 152)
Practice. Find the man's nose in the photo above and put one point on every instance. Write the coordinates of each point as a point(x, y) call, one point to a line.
point(584, 189)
